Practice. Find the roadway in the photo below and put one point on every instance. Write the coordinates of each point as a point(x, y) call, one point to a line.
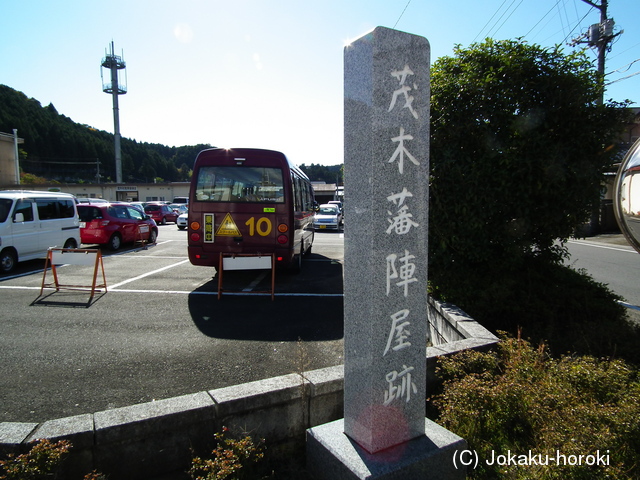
point(160, 330)
point(610, 260)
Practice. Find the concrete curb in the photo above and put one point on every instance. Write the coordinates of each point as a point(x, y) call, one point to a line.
point(155, 438)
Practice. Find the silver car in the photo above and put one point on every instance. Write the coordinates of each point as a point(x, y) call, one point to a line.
point(328, 217)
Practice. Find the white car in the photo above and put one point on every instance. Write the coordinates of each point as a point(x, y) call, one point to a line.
point(328, 217)
point(182, 221)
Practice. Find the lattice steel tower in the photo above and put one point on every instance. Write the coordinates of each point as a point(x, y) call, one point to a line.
point(114, 64)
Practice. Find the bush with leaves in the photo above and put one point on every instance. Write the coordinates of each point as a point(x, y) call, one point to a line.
point(42, 461)
point(233, 459)
point(519, 399)
point(519, 149)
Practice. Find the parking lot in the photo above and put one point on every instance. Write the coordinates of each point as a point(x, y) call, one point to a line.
point(160, 330)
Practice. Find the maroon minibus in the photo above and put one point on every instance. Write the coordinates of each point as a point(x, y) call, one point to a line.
point(249, 201)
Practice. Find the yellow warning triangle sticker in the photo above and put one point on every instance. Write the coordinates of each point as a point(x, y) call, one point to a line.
point(228, 227)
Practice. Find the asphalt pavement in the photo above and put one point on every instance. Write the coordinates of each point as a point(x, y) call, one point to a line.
point(160, 330)
point(610, 260)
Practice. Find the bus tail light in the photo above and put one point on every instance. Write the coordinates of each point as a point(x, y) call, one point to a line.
point(195, 237)
point(195, 226)
point(283, 228)
point(282, 239)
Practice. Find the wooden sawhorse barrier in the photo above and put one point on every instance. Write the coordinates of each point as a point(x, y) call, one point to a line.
point(246, 261)
point(74, 256)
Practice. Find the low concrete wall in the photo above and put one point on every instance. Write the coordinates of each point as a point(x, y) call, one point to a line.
point(451, 330)
point(151, 439)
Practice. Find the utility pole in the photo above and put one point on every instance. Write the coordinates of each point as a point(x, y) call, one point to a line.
point(600, 36)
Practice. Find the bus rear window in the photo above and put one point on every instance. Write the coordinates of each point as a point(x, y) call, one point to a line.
point(239, 184)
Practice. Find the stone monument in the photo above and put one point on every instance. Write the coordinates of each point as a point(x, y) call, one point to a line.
point(386, 110)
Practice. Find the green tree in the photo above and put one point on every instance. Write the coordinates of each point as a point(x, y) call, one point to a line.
point(51, 139)
point(324, 173)
point(518, 155)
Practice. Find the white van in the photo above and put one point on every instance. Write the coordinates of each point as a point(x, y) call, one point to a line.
point(32, 222)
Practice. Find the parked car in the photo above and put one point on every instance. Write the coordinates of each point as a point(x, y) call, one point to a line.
point(139, 205)
point(31, 222)
point(115, 224)
point(338, 203)
point(182, 221)
point(327, 217)
point(179, 208)
point(91, 200)
point(161, 213)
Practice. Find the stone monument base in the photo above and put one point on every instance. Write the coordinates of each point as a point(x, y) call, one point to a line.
point(331, 455)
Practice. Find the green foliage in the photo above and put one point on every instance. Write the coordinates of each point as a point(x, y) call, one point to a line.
point(518, 155)
point(519, 399)
point(233, 459)
point(31, 179)
point(52, 141)
point(42, 461)
point(95, 475)
point(324, 173)
point(518, 151)
point(551, 303)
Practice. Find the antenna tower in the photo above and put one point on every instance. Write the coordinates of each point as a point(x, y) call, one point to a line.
point(114, 64)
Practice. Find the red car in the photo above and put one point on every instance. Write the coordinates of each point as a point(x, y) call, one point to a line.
point(115, 224)
point(161, 213)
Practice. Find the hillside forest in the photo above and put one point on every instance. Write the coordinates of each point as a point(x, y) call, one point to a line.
point(57, 149)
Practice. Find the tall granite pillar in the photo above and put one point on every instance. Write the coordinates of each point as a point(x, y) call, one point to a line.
point(386, 201)
point(384, 433)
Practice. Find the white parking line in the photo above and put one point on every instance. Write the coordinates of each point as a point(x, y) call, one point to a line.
point(255, 282)
point(186, 292)
point(153, 272)
point(227, 294)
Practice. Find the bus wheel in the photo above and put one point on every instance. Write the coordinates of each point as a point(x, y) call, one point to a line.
point(308, 251)
point(296, 265)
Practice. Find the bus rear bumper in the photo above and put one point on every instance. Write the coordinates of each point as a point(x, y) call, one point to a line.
point(198, 257)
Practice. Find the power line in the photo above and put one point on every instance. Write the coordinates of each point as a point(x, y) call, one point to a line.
point(560, 16)
point(624, 51)
point(489, 21)
point(623, 78)
point(545, 16)
point(578, 25)
point(405, 9)
point(628, 65)
point(494, 32)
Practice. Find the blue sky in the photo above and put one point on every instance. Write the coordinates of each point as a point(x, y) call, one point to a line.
point(258, 73)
